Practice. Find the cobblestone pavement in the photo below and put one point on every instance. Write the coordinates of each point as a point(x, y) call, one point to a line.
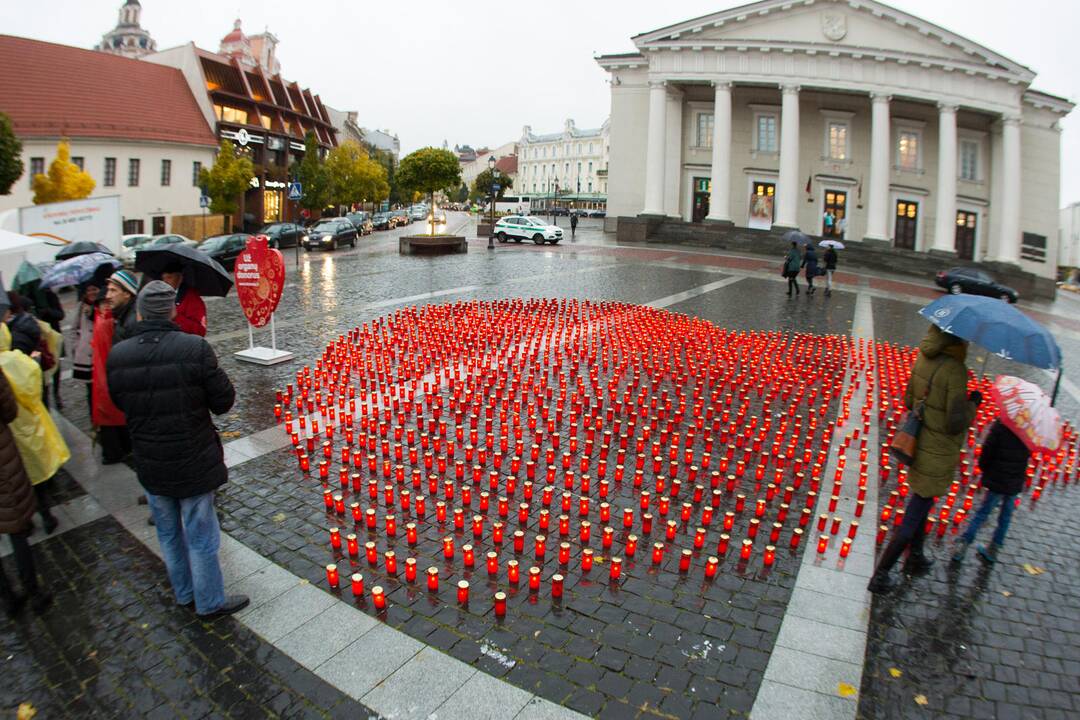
point(663, 644)
point(115, 645)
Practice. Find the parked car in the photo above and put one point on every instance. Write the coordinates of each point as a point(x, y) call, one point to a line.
point(225, 248)
point(330, 233)
point(597, 214)
point(362, 222)
point(173, 239)
point(439, 215)
point(403, 217)
point(518, 228)
point(383, 221)
point(283, 234)
point(418, 212)
point(974, 282)
point(129, 244)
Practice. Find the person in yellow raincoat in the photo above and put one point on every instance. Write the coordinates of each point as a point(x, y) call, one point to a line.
point(40, 444)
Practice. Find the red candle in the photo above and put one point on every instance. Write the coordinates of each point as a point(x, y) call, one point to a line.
point(357, 585)
point(729, 521)
point(500, 604)
point(467, 555)
point(463, 592)
point(391, 562)
point(747, 548)
point(628, 518)
point(493, 563)
point(822, 544)
point(586, 560)
point(433, 579)
point(657, 553)
point(519, 541)
point(440, 511)
point(585, 531)
point(459, 519)
point(722, 546)
point(608, 536)
point(372, 553)
point(753, 528)
point(497, 532)
point(540, 546)
point(534, 579)
point(410, 569)
point(646, 523)
point(796, 536)
point(332, 575)
point(448, 547)
point(391, 526)
point(631, 545)
point(770, 555)
point(339, 504)
point(513, 573)
point(378, 597)
point(352, 544)
point(556, 586)
point(845, 547)
point(615, 571)
point(740, 503)
point(335, 538)
point(671, 530)
point(564, 553)
point(684, 560)
point(410, 533)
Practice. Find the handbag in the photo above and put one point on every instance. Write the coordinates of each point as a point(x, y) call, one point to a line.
point(905, 442)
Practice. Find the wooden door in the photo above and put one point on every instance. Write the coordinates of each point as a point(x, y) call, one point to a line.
point(836, 206)
point(907, 222)
point(966, 223)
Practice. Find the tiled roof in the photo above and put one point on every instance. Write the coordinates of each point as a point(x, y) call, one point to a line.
point(50, 90)
point(507, 164)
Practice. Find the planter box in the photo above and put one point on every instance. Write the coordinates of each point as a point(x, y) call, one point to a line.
point(483, 229)
point(425, 244)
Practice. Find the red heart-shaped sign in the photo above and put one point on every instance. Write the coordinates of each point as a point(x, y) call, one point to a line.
point(260, 279)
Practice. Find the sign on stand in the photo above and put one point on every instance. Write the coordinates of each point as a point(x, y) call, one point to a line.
point(260, 279)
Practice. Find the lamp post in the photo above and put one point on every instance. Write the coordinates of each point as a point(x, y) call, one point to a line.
point(491, 232)
point(554, 199)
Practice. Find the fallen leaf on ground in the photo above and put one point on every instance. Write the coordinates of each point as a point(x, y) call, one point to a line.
point(231, 434)
point(26, 711)
point(845, 690)
point(921, 700)
point(278, 517)
point(144, 626)
point(896, 672)
point(1033, 570)
point(1006, 593)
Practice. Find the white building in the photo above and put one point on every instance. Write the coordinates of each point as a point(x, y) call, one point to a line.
point(781, 113)
point(1069, 236)
point(383, 140)
point(568, 167)
point(471, 168)
point(128, 38)
point(139, 132)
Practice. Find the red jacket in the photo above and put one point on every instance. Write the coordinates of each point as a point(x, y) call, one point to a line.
point(104, 412)
point(191, 312)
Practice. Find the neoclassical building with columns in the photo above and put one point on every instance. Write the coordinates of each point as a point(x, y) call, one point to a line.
point(848, 119)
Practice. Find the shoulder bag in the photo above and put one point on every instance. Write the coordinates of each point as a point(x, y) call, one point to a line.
point(905, 442)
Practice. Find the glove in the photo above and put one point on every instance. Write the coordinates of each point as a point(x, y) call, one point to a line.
point(975, 396)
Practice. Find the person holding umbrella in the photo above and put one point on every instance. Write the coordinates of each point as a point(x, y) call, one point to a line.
point(190, 308)
point(193, 274)
point(938, 389)
point(792, 263)
point(113, 323)
point(810, 263)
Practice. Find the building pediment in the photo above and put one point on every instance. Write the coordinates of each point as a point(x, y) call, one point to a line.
point(852, 27)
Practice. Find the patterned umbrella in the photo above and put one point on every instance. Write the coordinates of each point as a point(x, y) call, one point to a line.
point(1027, 411)
point(79, 269)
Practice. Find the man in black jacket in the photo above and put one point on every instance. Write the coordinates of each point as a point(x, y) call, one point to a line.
point(167, 383)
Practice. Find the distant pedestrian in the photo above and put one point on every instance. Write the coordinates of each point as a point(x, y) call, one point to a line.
point(792, 263)
point(167, 383)
point(938, 385)
point(830, 266)
point(16, 512)
point(190, 308)
point(810, 263)
point(573, 225)
point(83, 356)
point(114, 322)
point(47, 308)
point(1003, 461)
point(828, 220)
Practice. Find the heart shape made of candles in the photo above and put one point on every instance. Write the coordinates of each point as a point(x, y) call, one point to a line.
point(260, 279)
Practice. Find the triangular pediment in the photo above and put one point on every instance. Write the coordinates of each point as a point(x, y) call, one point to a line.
point(831, 25)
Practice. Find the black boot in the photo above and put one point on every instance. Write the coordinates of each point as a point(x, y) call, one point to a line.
point(882, 582)
point(13, 601)
point(917, 561)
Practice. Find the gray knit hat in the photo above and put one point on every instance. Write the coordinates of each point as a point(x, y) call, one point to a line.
point(156, 301)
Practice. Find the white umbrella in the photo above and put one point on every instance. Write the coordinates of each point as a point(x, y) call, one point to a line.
point(835, 244)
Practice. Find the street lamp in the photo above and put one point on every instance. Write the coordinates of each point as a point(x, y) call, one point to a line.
point(491, 233)
point(554, 198)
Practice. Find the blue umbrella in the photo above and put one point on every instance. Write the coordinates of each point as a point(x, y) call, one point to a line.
point(80, 269)
point(996, 326)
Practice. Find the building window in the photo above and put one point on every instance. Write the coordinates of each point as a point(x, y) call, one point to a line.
point(196, 169)
point(704, 130)
point(265, 122)
point(590, 148)
point(133, 172)
point(79, 161)
point(838, 140)
point(765, 133)
point(37, 167)
point(231, 114)
point(908, 149)
point(110, 172)
point(590, 167)
point(969, 160)
point(590, 186)
point(1033, 247)
point(166, 173)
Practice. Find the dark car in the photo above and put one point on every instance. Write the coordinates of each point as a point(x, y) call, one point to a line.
point(597, 214)
point(383, 221)
point(362, 222)
point(330, 233)
point(283, 235)
point(225, 248)
point(974, 282)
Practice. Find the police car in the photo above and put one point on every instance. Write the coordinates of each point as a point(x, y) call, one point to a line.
point(518, 228)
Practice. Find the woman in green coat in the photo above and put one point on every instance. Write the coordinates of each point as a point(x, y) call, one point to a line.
point(939, 376)
point(792, 263)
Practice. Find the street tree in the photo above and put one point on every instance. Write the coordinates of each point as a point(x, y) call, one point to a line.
point(427, 171)
point(311, 173)
point(63, 181)
point(11, 164)
point(482, 185)
point(226, 181)
point(353, 177)
point(462, 193)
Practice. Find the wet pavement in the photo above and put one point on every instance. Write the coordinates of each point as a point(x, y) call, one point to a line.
point(662, 645)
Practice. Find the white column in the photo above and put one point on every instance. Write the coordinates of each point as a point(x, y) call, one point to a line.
point(787, 191)
point(1008, 243)
point(720, 196)
point(877, 214)
point(945, 223)
point(673, 154)
point(654, 152)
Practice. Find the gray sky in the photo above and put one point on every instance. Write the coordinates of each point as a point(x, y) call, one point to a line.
point(476, 71)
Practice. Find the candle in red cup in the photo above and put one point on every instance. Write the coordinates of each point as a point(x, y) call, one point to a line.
point(440, 511)
point(519, 541)
point(671, 529)
point(747, 549)
point(335, 538)
point(500, 604)
point(410, 533)
point(332, 575)
point(585, 531)
point(391, 562)
point(378, 597)
point(391, 526)
point(684, 560)
point(722, 545)
point(729, 521)
point(459, 519)
point(492, 563)
point(357, 585)
point(468, 557)
point(339, 504)
point(628, 518)
point(740, 503)
point(616, 568)
point(631, 545)
point(586, 559)
point(463, 592)
point(657, 553)
point(759, 508)
point(822, 521)
point(352, 544)
point(556, 586)
point(646, 523)
point(513, 572)
point(752, 530)
point(448, 547)
point(564, 553)
point(372, 553)
point(433, 579)
point(534, 579)
point(410, 569)
point(823, 544)
point(845, 547)
point(796, 537)
point(607, 537)
point(770, 555)
point(711, 564)
point(835, 527)
point(540, 546)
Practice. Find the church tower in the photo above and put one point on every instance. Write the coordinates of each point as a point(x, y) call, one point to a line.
point(128, 38)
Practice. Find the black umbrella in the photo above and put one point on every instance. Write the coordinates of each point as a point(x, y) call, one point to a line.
point(796, 237)
point(82, 247)
point(201, 271)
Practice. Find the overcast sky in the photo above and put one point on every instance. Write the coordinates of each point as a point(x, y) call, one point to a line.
point(476, 71)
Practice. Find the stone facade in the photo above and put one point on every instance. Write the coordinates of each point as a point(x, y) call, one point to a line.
point(852, 120)
point(574, 162)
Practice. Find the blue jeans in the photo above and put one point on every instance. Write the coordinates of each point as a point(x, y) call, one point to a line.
point(988, 504)
point(189, 535)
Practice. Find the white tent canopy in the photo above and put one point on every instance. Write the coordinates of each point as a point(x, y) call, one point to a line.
point(15, 247)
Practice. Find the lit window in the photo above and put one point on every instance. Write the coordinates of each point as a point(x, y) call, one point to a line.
point(766, 134)
point(838, 142)
point(969, 160)
point(907, 150)
point(266, 122)
point(704, 130)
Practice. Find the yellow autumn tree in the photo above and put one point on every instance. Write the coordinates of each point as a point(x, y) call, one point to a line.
point(64, 181)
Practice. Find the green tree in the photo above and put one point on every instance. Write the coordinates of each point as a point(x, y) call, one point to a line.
point(462, 193)
point(227, 180)
point(311, 174)
point(427, 171)
point(481, 189)
point(353, 177)
point(64, 180)
point(11, 164)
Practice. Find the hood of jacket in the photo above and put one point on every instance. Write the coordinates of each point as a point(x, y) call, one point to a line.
point(937, 342)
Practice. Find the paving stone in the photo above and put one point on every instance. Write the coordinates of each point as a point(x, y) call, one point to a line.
point(323, 636)
point(369, 660)
point(419, 686)
point(483, 698)
point(784, 701)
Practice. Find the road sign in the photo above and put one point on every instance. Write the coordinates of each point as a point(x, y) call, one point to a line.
point(496, 187)
point(295, 191)
point(204, 201)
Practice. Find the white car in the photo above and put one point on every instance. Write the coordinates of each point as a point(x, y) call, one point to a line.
point(518, 228)
point(129, 244)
